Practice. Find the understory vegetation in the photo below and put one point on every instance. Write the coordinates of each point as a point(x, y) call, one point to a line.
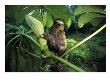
point(85, 31)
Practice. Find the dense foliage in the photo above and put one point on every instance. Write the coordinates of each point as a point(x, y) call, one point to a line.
point(23, 48)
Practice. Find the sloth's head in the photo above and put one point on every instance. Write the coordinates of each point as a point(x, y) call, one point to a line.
point(58, 25)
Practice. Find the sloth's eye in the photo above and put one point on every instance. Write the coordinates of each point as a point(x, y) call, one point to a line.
point(59, 24)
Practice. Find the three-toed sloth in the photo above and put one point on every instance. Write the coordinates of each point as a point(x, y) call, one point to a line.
point(56, 38)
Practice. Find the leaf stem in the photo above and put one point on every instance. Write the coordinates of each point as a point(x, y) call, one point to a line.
point(74, 67)
point(27, 36)
point(104, 26)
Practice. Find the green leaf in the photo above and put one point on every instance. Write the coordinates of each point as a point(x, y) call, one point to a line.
point(86, 8)
point(96, 21)
point(19, 15)
point(10, 9)
point(36, 13)
point(59, 11)
point(87, 17)
point(35, 25)
point(21, 11)
point(45, 18)
point(69, 22)
point(49, 21)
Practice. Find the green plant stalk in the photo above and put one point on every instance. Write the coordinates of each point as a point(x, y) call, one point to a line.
point(33, 40)
point(104, 26)
point(33, 55)
point(74, 67)
point(65, 61)
point(27, 36)
point(12, 39)
point(52, 55)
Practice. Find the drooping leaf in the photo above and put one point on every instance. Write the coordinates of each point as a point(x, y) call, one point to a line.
point(35, 25)
point(87, 8)
point(96, 21)
point(59, 11)
point(87, 17)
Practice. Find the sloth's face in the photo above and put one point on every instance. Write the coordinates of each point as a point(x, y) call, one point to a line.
point(59, 25)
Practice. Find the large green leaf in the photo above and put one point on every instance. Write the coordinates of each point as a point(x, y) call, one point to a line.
point(96, 21)
point(59, 11)
point(86, 8)
point(25, 10)
point(87, 17)
point(48, 20)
